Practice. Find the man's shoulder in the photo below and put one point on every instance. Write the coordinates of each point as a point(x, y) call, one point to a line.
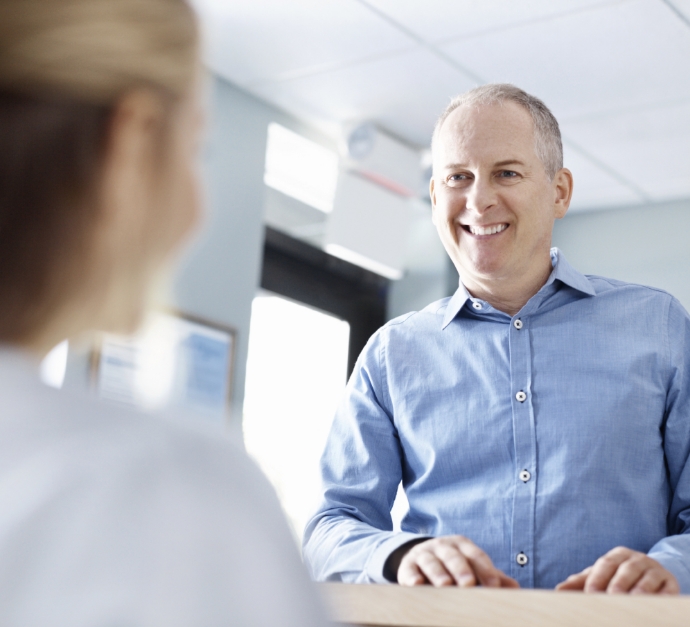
point(642, 295)
point(408, 329)
point(603, 284)
point(636, 303)
point(431, 314)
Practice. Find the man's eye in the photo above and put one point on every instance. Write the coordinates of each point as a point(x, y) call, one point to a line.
point(457, 177)
point(508, 174)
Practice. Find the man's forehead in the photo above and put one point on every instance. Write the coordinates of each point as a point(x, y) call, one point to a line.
point(486, 128)
point(473, 117)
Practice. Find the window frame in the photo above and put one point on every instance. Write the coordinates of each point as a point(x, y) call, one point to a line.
point(309, 275)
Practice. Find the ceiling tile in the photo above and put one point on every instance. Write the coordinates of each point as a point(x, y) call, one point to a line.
point(650, 148)
point(595, 188)
point(403, 94)
point(614, 72)
point(440, 20)
point(272, 39)
point(617, 56)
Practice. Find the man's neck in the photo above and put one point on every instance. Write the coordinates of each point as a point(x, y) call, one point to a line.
point(509, 294)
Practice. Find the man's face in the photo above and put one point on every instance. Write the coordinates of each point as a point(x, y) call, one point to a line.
point(493, 203)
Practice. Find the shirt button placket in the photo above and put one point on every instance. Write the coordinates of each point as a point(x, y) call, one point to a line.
point(522, 540)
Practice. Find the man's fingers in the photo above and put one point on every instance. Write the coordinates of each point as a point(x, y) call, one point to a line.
point(457, 565)
point(410, 575)
point(508, 582)
point(487, 574)
point(670, 586)
point(604, 569)
point(451, 560)
point(434, 570)
point(629, 573)
point(455, 560)
point(656, 581)
point(651, 582)
point(576, 581)
point(623, 571)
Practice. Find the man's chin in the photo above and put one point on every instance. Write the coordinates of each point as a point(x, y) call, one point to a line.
point(484, 268)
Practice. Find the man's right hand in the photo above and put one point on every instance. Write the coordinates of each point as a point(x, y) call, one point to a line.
point(451, 561)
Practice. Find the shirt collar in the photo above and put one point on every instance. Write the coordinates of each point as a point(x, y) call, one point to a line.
point(562, 271)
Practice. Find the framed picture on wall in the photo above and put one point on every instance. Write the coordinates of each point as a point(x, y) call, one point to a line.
point(175, 361)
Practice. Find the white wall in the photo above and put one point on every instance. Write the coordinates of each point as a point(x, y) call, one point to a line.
point(648, 245)
point(429, 275)
point(219, 278)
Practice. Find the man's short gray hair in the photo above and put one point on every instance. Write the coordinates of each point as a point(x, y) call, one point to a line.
point(547, 135)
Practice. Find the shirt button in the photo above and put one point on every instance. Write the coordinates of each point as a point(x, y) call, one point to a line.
point(517, 324)
point(525, 476)
point(521, 558)
point(477, 305)
point(521, 396)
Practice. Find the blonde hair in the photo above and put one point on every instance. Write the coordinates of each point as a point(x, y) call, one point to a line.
point(94, 50)
point(547, 134)
point(64, 65)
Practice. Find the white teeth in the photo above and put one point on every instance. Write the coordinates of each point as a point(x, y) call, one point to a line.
point(487, 230)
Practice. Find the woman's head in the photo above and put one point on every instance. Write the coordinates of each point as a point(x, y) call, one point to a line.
point(98, 129)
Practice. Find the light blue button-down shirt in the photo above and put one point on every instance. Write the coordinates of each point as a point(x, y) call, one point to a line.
point(587, 389)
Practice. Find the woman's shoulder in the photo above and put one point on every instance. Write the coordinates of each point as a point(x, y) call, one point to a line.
point(105, 489)
point(77, 430)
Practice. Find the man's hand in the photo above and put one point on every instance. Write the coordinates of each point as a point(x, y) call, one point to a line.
point(450, 561)
point(623, 571)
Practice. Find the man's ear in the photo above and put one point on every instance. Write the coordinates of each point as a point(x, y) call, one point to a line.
point(563, 189)
point(432, 195)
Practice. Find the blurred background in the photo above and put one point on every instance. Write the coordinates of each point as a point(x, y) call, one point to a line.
point(317, 171)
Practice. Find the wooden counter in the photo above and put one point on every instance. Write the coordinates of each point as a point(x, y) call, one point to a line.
point(425, 606)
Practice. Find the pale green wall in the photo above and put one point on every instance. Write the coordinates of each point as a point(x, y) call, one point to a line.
point(648, 245)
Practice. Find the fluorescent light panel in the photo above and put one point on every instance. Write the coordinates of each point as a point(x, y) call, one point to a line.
point(363, 262)
point(300, 168)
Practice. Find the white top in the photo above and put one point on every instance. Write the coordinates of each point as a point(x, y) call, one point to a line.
point(112, 518)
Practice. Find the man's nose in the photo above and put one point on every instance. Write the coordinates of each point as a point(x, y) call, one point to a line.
point(481, 195)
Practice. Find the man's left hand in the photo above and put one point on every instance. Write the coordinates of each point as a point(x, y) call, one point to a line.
point(623, 571)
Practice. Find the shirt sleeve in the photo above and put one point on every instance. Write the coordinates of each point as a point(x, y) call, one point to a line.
point(673, 551)
point(351, 535)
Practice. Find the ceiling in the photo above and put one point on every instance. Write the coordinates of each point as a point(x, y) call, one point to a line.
point(616, 73)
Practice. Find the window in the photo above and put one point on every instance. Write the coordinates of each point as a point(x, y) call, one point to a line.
point(309, 275)
point(309, 324)
point(296, 375)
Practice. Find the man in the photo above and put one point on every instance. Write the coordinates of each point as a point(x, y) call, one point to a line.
point(541, 414)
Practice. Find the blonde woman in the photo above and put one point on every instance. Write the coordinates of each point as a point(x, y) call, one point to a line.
point(108, 517)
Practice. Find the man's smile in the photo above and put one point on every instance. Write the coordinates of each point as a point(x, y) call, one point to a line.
point(491, 229)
